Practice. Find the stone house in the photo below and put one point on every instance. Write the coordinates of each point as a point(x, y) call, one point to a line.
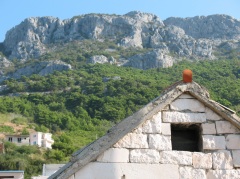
point(181, 134)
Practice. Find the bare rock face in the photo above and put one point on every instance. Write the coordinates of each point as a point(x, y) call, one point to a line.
point(98, 59)
point(28, 39)
point(153, 59)
point(4, 62)
point(41, 68)
point(185, 45)
point(52, 66)
point(210, 27)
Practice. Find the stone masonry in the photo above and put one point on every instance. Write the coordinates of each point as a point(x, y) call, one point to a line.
point(151, 143)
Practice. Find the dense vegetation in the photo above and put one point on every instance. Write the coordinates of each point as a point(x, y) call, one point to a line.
point(80, 105)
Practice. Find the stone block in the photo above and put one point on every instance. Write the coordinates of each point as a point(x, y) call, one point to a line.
point(138, 130)
point(223, 174)
point(222, 160)
point(183, 117)
point(186, 96)
point(176, 157)
point(202, 160)
point(208, 128)
point(160, 142)
point(144, 156)
point(166, 128)
point(236, 158)
point(211, 142)
point(211, 115)
point(187, 104)
point(191, 173)
point(114, 155)
point(153, 125)
point(233, 141)
point(133, 140)
point(97, 170)
point(225, 127)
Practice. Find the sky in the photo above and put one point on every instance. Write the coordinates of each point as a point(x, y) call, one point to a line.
point(13, 12)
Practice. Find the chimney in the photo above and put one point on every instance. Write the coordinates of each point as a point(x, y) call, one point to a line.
point(187, 76)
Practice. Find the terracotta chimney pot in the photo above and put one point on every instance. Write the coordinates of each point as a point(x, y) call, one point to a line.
point(187, 76)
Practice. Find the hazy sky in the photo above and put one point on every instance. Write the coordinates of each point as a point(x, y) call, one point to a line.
point(15, 11)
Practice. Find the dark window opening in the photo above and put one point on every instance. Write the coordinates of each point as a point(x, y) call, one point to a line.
point(186, 137)
point(19, 140)
point(10, 139)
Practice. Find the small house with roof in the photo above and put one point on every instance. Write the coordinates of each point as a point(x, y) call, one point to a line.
point(15, 174)
point(180, 134)
point(35, 138)
point(18, 139)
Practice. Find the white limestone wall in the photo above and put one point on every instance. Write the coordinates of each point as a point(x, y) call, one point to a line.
point(98, 170)
point(147, 152)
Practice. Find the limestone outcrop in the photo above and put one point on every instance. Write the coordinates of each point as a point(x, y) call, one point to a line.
point(154, 59)
point(98, 59)
point(222, 27)
point(40, 68)
point(4, 64)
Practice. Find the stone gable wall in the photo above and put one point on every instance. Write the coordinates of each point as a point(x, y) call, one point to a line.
point(151, 144)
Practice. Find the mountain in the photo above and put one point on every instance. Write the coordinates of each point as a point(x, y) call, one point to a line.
point(162, 42)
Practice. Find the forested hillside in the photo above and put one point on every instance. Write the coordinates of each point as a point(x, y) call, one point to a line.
point(80, 105)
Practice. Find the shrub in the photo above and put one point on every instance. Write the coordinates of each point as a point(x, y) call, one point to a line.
point(7, 129)
point(20, 120)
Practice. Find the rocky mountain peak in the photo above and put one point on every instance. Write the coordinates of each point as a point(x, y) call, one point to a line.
point(211, 27)
point(145, 17)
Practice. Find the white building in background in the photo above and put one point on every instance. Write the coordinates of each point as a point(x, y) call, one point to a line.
point(48, 170)
point(41, 139)
point(15, 174)
point(17, 139)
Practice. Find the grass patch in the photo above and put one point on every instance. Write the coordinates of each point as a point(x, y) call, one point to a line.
point(8, 117)
point(7, 129)
point(20, 120)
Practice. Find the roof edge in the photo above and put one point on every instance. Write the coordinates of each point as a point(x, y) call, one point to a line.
point(220, 109)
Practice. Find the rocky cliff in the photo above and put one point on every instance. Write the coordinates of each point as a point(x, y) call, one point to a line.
point(4, 64)
point(170, 40)
point(29, 39)
point(222, 27)
point(40, 68)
